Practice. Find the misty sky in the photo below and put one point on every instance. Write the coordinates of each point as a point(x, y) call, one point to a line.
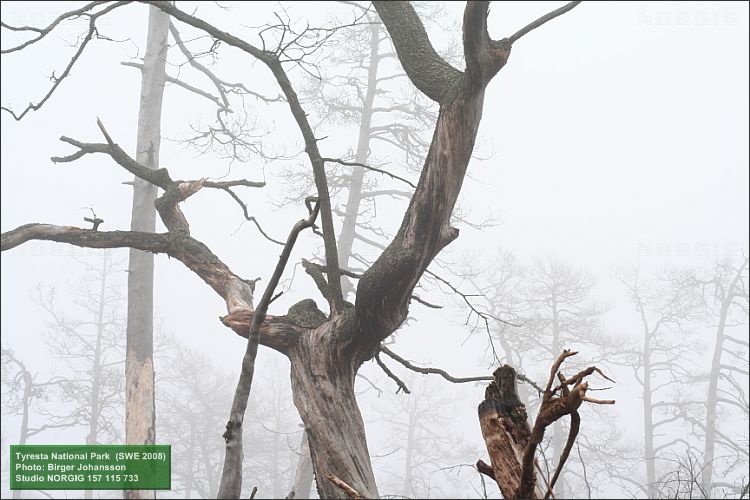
point(617, 133)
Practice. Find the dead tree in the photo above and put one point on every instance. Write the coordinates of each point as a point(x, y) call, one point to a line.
point(22, 394)
point(665, 309)
point(326, 351)
point(140, 402)
point(512, 443)
point(725, 293)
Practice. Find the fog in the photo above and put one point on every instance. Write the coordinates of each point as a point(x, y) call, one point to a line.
point(615, 138)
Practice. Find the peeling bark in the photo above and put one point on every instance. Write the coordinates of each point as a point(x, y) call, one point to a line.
point(511, 444)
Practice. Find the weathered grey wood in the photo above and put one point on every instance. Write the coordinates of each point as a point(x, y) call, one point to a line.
point(304, 474)
point(140, 411)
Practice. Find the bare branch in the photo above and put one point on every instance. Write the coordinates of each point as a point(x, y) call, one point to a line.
point(425, 303)
point(368, 167)
point(447, 376)
point(182, 84)
point(485, 469)
point(545, 18)
point(231, 478)
point(42, 32)
point(271, 60)
point(575, 425)
point(552, 409)
point(465, 297)
point(56, 80)
point(158, 177)
point(391, 375)
point(426, 69)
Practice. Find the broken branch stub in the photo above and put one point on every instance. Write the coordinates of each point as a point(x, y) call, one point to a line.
point(510, 441)
point(505, 429)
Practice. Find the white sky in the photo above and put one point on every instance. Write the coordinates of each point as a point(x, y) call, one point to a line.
point(620, 133)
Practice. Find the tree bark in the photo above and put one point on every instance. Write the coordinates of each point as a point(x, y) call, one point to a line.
point(506, 432)
point(323, 368)
point(139, 365)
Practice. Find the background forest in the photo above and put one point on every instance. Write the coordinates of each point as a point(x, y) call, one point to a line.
point(605, 209)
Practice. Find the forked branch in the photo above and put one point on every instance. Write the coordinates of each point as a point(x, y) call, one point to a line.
point(512, 444)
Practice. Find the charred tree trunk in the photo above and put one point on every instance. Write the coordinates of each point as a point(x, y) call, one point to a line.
point(512, 443)
point(506, 432)
point(139, 364)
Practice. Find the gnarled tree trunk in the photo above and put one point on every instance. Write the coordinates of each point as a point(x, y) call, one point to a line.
point(323, 366)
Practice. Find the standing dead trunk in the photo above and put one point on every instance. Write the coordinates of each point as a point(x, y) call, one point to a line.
point(506, 432)
point(304, 474)
point(709, 446)
point(512, 444)
point(648, 409)
point(139, 365)
point(349, 224)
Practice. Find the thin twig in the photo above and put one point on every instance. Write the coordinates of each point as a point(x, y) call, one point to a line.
point(368, 167)
point(180, 83)
point(399, 382)
point(56, 80)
